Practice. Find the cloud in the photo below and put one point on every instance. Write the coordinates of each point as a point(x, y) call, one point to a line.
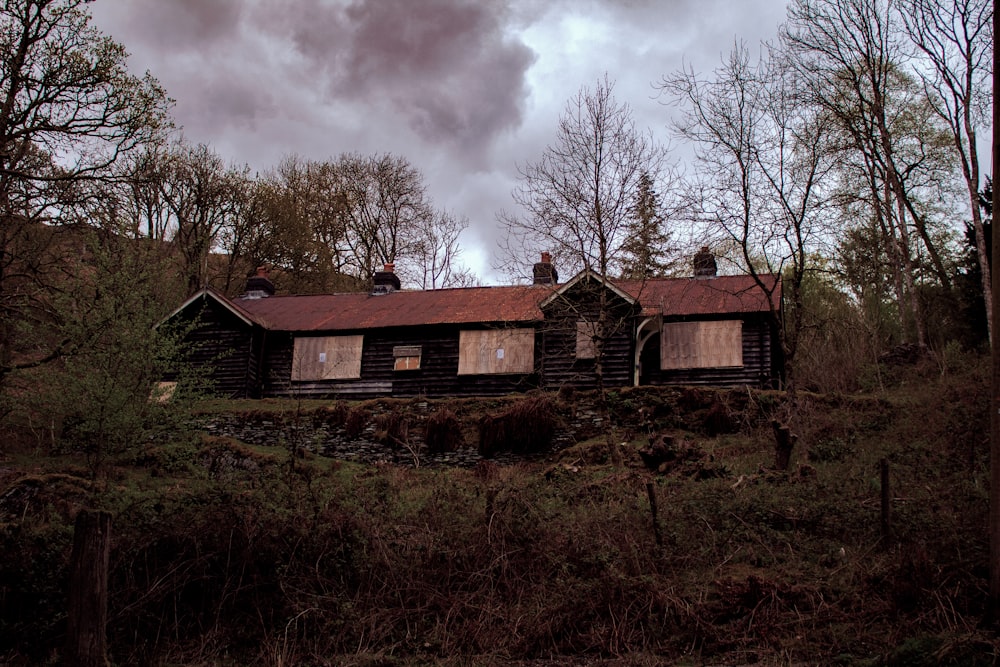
point(464, 89)
point(183, 24)
point(450, 70)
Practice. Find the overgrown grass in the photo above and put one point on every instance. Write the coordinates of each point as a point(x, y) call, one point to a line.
point(224, 554)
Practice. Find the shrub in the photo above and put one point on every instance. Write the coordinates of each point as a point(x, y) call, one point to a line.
point(443, 433)
point(526, 426)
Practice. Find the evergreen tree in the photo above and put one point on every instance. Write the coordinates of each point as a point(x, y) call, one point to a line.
point(645, 252)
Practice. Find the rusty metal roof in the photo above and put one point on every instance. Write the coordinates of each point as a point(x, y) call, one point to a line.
point(343, 312)
point(705, 296)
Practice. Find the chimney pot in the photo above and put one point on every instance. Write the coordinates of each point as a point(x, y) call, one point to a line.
point(259, 286)
point(544, 273)
point(385, 281)
point(704, 263)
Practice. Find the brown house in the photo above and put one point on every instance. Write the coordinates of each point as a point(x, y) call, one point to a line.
point(589, 331)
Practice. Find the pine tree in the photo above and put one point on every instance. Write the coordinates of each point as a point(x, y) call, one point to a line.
point(645, 252)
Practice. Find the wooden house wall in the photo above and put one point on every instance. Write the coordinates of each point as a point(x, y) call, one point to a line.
point(761, 360)
point(437, 375)
point(224, 343)
point(559, 363)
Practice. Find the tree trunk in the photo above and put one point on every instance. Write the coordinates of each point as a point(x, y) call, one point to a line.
point(88, 590)
point(994, 513)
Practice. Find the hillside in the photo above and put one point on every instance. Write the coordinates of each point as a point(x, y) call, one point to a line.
point(228, 552)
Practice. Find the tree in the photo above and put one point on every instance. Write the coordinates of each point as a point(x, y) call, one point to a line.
point(850, 55)
point(202, 197)
point(385, 209)
point(646, 250)
point(763, 159)
point(297, 222)
point(578, 197)
point(438, 252)
point(956, 40)
point(68, 110)
point(102, 398)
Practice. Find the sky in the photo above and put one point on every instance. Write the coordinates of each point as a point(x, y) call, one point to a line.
point(465, 90)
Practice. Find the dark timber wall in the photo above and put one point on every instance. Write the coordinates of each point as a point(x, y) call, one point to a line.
point(223, 342)
point(560, 365)
point(761, 359)
point(437, 375)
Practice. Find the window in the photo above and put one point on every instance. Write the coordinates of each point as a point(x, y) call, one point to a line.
point(327, 358)
point(407, 357)
point(496, 351)
point(701, 345)
point(586, 347)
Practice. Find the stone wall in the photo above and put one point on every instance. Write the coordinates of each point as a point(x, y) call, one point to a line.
point(359, 431)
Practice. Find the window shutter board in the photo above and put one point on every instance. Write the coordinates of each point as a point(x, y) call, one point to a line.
point(327, 358)
point(496, 351)
point(586, 348)
point(685, 345)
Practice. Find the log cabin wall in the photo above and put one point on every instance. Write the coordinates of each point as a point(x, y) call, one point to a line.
point(223, 342)
point(436, 376)
point(758, 369)
point(561, 331)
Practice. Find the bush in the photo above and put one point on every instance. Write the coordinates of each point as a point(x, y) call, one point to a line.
point(526, 426)
point(443, 432)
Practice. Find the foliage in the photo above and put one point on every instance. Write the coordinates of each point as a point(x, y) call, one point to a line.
point(526, 426)
point(71, 109)
point(443, 432)
point(103, 398)
point(221, 553)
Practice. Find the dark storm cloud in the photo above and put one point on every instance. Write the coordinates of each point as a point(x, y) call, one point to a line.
point(184, 24)
point(448, 68)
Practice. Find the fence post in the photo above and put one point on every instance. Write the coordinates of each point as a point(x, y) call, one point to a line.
point(88, 590)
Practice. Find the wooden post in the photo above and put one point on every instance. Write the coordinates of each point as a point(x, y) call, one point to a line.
point(886, 504)
point(784, 442)
point(651, 493)
point(88, 590)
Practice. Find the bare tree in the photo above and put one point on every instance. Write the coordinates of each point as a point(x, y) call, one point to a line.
point(438, 252)
point(386, 206)
point(762, 158)
point(851, 54)
point(578, 197)
point(201, 195)
point(956, 39)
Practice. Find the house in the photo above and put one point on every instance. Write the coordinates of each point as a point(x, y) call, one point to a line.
point(587, 332)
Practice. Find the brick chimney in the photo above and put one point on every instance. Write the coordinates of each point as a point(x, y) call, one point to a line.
point(544, 273)
point(386, 280)
point(704, 263)
point(259, 286)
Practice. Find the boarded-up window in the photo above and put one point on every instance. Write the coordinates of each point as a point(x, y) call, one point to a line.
point(496, 351)
point(586, 347)
point(407, 357)
point(327, 358)
point(701, 345)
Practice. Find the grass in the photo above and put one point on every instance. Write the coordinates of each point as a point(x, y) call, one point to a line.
point(225, 554)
